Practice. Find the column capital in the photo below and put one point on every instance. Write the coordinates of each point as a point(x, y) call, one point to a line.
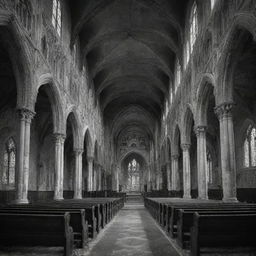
point(26, 114)
point(59, 137)
point(200, 129)
point(185, 146)
point(224, 110)
point(175, 156)
point(90, 158)
point(78, 151)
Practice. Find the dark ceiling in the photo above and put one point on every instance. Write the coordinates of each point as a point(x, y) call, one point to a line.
point(130, 47)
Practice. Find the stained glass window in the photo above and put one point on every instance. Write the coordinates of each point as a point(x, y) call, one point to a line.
point(8, 177)
point(133, 176)
point(56, 16)
point(212, 3)
point(250, 147)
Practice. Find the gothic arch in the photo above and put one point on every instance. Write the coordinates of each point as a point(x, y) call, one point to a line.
point(20, 56)
point(205, 90)
point(187, 121)
point(176, 137)
point(76, 128)
point(53, 94)
point(242, 22)
point(88, 140)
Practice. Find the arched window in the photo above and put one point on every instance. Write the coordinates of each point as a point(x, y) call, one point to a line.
point(193, 26)
point(8, 177)
point(133, 176)
point(178, 75)
point(250, 147)
point(212, 3)
point(209, 168)
point(56, 16)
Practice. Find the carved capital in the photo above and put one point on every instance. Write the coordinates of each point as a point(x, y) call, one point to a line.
point(26, 115)
point(59, 138)
point(175, 157)
point(78, 151)
point(224, 110)
point(200, 130)
point(185, 146)
point(90, 159)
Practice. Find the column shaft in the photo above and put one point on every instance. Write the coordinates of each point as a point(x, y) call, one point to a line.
point(175, 173)
point(59, 166)
point(202, 162)
point(168, 172)
point(90, 173)
point(24, 153)
point(228, 163)
point(78, 174)
point(186, 171)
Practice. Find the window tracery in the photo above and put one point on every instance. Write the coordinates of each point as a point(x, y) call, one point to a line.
point(56, 16)
point(8, 177)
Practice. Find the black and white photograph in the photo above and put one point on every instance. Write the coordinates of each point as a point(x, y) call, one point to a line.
point(127, 127)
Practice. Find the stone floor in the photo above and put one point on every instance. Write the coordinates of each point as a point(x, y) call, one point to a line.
point(133, 232)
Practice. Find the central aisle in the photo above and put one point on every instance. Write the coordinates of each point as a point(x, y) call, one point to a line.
point(133, 232)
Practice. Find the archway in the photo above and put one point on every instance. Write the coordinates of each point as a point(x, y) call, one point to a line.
point(133, 173)
point(9, 126)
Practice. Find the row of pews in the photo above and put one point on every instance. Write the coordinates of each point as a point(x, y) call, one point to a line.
point(206, 225)
point(67, 223)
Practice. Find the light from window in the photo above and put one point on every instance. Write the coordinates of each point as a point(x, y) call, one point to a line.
point(212, 3)
point(250, 147)
point(178, 75)
point(209, 168)
point(186, 54)
point(8, 177)
point(193, 26)
point(56, 16)
point(133, 176)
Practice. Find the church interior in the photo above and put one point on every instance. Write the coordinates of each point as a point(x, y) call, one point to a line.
point(127, 127)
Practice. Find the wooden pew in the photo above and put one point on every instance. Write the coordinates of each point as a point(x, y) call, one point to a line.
point(37, 230)
point(185, 221)
point(222, 230)
point(77, 220)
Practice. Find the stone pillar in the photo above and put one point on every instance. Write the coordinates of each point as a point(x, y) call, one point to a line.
point(99, 179)
point(117, 181)
point(23, 158)
point(95, 173)
point(227, 144)
point(168, 174)
point(90, 173)
point(200, 132)
point(78, 174)
point(59, 166)
point(186, 170)
point(158, 180)
point(175, 172)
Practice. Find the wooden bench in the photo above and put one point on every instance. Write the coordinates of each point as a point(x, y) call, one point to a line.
point(37, 230)
point(222, 231)
point(185, 221)
point(77, 220)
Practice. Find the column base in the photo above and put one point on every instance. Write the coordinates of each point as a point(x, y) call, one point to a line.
point(21, 201)
point(77, 197)
point(230, 200)
point(187, 197)
point(203, 198)
point(58, 198)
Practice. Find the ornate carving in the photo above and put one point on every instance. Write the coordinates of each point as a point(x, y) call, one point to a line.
point(185, 146)
point(199, 130)
point(26, 115)
point(224, 110)
point(59, 138)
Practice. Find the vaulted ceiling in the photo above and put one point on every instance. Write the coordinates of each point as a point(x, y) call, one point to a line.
point(130, 47)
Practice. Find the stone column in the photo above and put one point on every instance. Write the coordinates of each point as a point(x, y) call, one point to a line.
point(200, 132)
point(95, 171)
point(175, 173)
point(227, 144)
point(23, 158)
point(90, 173)
point(186, 170)
point(78, 174)
point(59, 166)
point(168, 172)
point(158, 180)
point(117, 181)
point(99, 179)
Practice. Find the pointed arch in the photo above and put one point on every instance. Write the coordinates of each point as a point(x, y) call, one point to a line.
point(205, 91)
point(243, 22)
point(76, 127)
point(20, 56)
point(88, 142)
point(47, 83)
point(188, 120)
point(176, 137)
